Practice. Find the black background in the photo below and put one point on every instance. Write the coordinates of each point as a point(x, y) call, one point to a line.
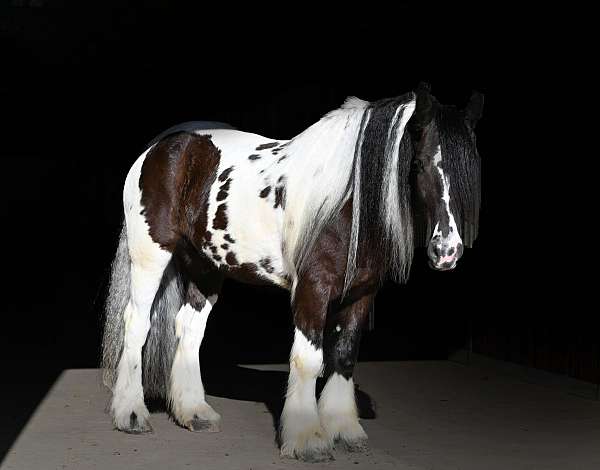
point(84, 88)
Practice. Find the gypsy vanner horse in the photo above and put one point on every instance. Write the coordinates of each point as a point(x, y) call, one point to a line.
point(327, 215)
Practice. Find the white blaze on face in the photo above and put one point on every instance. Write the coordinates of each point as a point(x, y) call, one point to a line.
point(453, 239)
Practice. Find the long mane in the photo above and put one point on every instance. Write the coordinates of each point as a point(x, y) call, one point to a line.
point(358, 151)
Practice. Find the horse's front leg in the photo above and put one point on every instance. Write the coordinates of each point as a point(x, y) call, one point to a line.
point(337, 404)
point(301, 433)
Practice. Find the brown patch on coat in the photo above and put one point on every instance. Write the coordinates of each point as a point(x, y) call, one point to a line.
point(222, 195)
point(228, 238)
point(231, 259)
point(175, 181)
point(265, 192)
point(225, 246)
point(248, 273)
point(254, 157)
point(220, 220)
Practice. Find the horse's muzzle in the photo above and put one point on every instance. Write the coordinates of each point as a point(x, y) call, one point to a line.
point(442, 256)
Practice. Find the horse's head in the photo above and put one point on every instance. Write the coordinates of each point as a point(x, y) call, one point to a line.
point(446, 175)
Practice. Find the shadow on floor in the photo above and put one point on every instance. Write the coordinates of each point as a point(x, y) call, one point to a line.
point(29, 381)
point(262, 386)
point(23, 390)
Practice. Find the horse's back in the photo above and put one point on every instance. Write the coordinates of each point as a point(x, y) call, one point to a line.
point(191, 127)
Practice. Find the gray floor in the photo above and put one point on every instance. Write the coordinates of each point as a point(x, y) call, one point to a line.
point(430, 415)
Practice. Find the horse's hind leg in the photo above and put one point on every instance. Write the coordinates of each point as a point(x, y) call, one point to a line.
point(186, 394)
point(301, 433)
point(337, 405)
point(148, 262)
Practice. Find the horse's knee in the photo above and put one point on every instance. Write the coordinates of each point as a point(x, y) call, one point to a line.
point(343, 364)
point(341, 352)
point(306, 359)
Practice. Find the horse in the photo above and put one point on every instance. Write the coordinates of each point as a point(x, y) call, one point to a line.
point(327, 215)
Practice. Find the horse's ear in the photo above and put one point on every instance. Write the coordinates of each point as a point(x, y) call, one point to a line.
point(474, 109)
point(424, 86)
point(423, 113)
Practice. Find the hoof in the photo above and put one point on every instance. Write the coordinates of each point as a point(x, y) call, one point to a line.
point(356, 445)
point(315, 456)
point(199, 419)
point(136, 425)
point(203, 425)
point(347, 434)
point(311, 445)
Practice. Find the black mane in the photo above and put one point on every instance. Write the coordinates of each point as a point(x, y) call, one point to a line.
point(374, 164)
point(381, 216)
point(463, 165)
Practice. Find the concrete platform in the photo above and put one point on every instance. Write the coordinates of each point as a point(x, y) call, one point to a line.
point(430, 415)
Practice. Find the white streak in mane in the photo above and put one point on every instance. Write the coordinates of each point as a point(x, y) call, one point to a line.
point(319, 170)
point(324, 171)
point(395, 212)
point(397, 227)
point(353, 244)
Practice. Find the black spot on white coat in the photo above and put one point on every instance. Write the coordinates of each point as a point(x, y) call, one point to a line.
point(225, 174)
point(267, 146)
point(220, 220)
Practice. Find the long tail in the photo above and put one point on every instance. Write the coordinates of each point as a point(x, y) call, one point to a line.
point(161, 342)
point(116, 301)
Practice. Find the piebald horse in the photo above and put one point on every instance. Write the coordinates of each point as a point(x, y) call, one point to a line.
point(327, 215)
